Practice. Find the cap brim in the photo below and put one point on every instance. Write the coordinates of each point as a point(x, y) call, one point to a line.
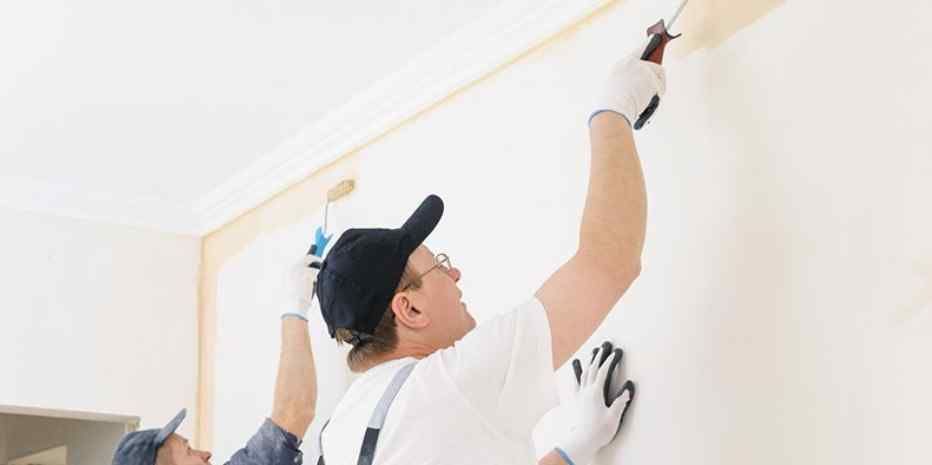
point(170, 428)
point(423, 221)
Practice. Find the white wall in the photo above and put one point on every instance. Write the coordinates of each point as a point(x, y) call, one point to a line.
point(97, 318)
point(785, 303)
point(88, 442)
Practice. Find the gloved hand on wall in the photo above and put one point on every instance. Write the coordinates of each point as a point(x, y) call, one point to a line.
point(592, 418)
point(630, 87)
point(300, 285)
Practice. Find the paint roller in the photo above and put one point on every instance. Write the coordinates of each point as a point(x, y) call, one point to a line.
point(321, 236)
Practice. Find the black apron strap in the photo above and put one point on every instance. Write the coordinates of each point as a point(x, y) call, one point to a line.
point(371, 438)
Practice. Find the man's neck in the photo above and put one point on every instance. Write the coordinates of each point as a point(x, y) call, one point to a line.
point(404, 350)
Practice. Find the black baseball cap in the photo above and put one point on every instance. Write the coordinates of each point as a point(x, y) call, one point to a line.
point(141, 447)
point(359, 275)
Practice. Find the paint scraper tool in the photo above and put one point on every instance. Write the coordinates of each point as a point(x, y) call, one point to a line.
point(660, 36)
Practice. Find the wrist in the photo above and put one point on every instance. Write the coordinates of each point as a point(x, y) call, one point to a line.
point(608, 110)
point(300, 312)
point(574, 457)
point(575, 452)
point(563, 455)
point(294, 315)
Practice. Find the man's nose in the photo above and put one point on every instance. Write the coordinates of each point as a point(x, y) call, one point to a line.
point(455, 273)
point(204, 455)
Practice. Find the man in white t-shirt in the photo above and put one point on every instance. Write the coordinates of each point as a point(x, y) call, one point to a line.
point(462, 394)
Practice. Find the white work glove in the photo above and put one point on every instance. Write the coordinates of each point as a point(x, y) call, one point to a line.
point(630, 87)
point(586, 424)
point(300, 286)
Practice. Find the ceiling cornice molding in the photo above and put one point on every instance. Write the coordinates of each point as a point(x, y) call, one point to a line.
point(461, 59)
point(41, 197)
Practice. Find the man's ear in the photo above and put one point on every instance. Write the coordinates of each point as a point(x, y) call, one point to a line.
point(406, 313)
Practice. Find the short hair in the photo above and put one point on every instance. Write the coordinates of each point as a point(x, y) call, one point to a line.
point(385, 337)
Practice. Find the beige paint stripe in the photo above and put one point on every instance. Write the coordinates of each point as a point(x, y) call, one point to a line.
point(708, 23)
point(291, 206)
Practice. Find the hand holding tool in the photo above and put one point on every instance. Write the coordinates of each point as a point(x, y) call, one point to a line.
point(659, 38)
point(300, 286)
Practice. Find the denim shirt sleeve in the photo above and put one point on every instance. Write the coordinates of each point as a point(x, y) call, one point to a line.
point(271, 445)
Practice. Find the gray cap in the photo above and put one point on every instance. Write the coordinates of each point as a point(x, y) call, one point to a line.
point(140, 447)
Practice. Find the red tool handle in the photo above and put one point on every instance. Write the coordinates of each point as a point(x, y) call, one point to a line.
point(659, 38)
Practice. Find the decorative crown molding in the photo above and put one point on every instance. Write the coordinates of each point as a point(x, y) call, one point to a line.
point(464, 57)
point(461, 59)
point(38, 196)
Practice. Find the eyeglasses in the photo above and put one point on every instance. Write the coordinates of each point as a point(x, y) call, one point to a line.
point(441, 260)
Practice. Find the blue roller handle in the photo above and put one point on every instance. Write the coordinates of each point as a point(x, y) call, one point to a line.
point(320, 242)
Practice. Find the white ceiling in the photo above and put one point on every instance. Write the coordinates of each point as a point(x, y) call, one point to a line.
point(161, 102)
point(181, 115)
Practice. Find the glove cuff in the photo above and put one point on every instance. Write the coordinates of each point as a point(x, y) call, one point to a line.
point(300, 315)
point(576, 454)
point(566, 458)
point(608, 110)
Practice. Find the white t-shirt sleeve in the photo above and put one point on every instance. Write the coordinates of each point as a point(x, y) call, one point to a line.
point(504, 368)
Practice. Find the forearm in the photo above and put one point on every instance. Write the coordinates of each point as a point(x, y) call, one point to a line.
point(581, 293)
point(296, 383)
point(615, 214)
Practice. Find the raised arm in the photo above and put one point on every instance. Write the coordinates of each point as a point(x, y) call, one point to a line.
point(579, 295)
point(296, 383)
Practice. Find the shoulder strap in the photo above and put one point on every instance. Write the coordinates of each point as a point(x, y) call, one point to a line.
point(371, 439)
point(376, 421)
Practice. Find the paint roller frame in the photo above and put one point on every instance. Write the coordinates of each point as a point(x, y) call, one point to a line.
point(342, 189)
